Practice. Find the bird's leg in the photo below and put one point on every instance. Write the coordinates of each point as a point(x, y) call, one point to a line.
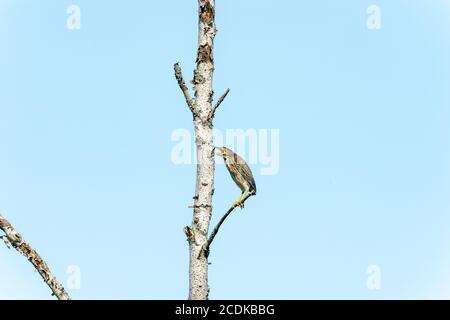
point(239, 202)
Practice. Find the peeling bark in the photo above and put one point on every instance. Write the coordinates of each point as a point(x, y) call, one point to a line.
point(201, 108)
point(198, 271)
point(13, 239)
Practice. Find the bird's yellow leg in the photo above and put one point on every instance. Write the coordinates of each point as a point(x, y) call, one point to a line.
point(239, 202)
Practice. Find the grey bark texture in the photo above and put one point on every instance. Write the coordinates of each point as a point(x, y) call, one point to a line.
point(203, 114)
point(13, 239)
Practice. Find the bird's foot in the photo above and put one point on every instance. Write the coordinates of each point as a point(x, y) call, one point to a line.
point(239, 203)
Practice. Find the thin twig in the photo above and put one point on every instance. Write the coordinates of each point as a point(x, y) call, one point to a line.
point(205, 249)
point(15, 240)
point(213, 111)
point(179, 76)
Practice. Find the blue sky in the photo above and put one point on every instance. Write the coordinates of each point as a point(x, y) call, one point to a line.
point(86, 118)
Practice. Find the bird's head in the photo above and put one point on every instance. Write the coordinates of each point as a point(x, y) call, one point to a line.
point(228, 155)
point(220, 151)
point(223, 152)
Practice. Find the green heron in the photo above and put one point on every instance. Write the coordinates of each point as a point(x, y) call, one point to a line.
point(241, 174)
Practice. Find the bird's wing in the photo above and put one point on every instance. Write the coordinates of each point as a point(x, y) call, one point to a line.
point(247, 174)
point(241, 168)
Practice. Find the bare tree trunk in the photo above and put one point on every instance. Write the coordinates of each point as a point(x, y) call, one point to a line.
point(203, 113)
point(204, 188)
point(13, 239)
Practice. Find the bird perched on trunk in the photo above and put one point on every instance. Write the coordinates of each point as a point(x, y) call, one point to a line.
point(241, 174)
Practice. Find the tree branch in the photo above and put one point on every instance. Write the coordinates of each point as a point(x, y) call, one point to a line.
point(213, 111)
point(14, 239)
point(179, 76)
point(205, 248)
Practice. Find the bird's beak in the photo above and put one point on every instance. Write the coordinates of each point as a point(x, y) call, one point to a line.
point(219, 151)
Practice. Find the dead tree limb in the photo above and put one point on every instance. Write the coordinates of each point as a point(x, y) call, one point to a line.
point(13, 239)
point(179, 76)
point(207, 245)
point(213, 111)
